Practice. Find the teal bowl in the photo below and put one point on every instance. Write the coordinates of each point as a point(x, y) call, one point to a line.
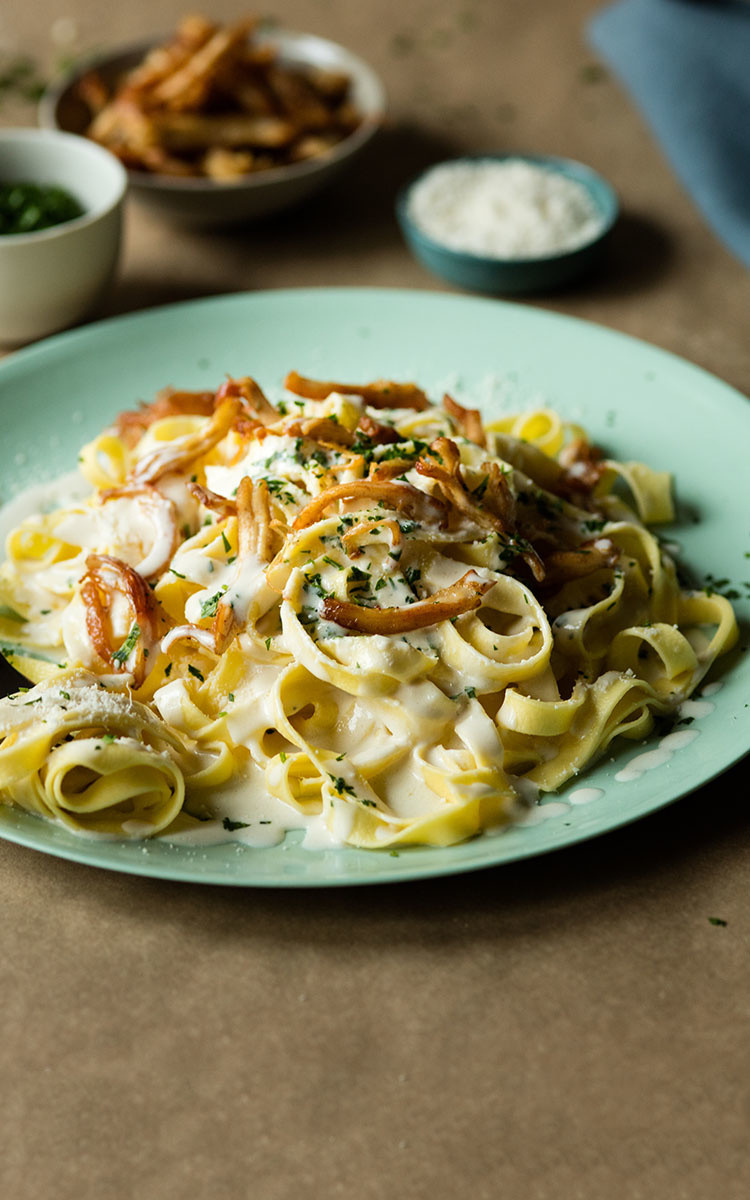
point(480, 273)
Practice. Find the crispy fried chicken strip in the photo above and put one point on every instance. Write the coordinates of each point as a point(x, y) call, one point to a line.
point(402, 496)
point(461, 597)
point(383, 393)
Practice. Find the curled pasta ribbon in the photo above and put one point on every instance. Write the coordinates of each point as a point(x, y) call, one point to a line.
point(542, 426)
point(651, 490)
point(176, 455)
point(120, 788)
point(613, 705)
point(104, 462)
point(94, 760)
point(508, 639)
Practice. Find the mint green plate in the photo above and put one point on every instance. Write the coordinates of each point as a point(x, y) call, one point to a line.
point(636, 400)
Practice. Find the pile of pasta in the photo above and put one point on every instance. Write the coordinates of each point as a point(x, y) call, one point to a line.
point(393, 620)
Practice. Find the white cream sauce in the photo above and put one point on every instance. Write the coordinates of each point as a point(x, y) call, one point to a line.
point(712, 688)
point(69, 489)
point(586, 795)
point(656, 758)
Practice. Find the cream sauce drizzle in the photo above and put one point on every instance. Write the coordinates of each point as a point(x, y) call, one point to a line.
point(586, 795)
point(656, 758)
point(69, 489)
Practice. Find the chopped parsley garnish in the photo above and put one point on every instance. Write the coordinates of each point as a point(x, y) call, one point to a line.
point(332, 563)
point(412, 575)
point(316, 583)
point(177, 573)
point(194, 671)
point(717, 921)
point(209, 607)
point(231, 825)
point(127, 647)
point(168, 669)
point(340, 785)
point(225, 540)
point(358, 577)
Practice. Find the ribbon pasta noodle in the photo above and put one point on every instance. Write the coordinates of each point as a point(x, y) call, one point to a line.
point(354, 611)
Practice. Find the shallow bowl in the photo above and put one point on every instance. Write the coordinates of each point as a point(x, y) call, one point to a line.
point(497, 276)
point(52, 278)
point(212, 203)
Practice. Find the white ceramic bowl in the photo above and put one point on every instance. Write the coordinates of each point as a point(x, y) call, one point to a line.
point(53, 278)
point(206, 202)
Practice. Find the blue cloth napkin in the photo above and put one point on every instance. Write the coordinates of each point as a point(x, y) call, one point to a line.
point(687, 65)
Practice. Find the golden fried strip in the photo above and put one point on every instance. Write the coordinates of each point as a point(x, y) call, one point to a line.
point(442, 462)
point(461, 597)
point(583, 466)
point(221, 505)
point(255, 403)
point(298, 100)
point(186, 132)
point(254, 519)
point(322, 430)
point(189, 85)
point(498, 496)
point(401, 496)
point(192, 33)
point(254, 536)
point(383, 393)
point(377, 432)
point(350, 539)
point(561, 566)
point(168, 403)
point(469, 420)
point(176, 455)
point(104, 576)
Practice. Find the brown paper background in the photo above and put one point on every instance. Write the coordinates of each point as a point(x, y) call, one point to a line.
point(571, 1028)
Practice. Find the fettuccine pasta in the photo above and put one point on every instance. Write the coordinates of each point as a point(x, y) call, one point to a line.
point(355, 611)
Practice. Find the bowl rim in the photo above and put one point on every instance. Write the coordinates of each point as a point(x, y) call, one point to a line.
point(153, 181)
point(93, 213)
point(569, 167)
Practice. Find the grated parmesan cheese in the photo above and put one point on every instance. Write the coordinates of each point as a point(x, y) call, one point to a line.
point(504, 208)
